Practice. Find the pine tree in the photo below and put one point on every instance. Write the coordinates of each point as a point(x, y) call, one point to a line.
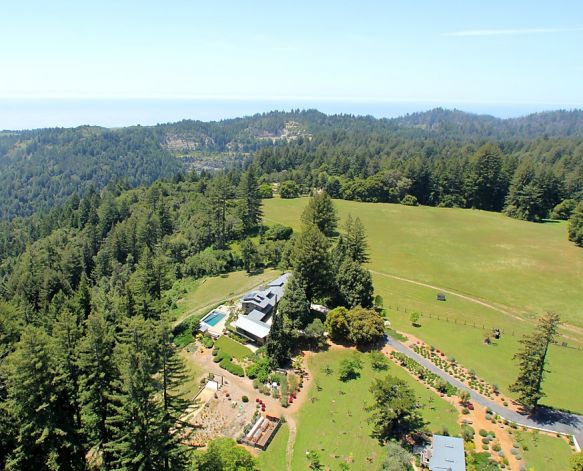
point(278, 345)
point(46, 433)
point(149, 281)
point(172, 375)
point(218, 194)
point(322, 213)
point(83, 296)
point(532, 359)
point(10, 327)
point(140, 426)
point(356, 243)
point(250, 200)
point(250, 255)
point(354, 285)
point(67, 336)
point(525, 199)
point(488, 181)
point(395, 409)
point(311, 262)
point(98, 375)
point(294, 306)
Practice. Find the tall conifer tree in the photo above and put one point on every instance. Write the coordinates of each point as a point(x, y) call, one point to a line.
point(532, 360)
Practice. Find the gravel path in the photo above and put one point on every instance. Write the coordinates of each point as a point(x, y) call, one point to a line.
point(545, 419)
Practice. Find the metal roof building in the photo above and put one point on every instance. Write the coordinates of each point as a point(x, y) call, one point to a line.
point(447, 454)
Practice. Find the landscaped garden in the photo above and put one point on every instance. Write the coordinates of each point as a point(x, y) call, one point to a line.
point(424, 375)
point(453, 368)
point(333, 422)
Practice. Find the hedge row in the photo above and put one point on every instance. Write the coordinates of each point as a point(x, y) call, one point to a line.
point(227, 364)
point(424, 374)
point(225, 361)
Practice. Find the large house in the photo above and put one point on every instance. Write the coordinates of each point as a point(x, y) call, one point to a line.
point(258, 307)
point(445, 454)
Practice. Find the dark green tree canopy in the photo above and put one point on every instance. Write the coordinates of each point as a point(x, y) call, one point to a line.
point(394, 411)
point(532, 360)
point(576, 225)
point(321, 213)
point(354, 285)
point(310, 261)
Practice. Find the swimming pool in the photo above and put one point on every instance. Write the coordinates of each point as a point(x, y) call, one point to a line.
point(213, 318)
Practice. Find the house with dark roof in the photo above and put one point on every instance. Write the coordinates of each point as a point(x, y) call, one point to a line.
point(444, 454)
point(258, 307)
point(265, 300)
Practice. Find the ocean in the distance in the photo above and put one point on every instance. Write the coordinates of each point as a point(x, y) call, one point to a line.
point(29, 113)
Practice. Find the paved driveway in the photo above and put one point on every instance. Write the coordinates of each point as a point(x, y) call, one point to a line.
point(546, 419)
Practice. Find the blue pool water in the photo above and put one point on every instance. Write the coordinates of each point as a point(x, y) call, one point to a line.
point(213, 318)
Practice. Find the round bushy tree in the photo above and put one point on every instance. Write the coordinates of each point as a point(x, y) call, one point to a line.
point(576, 225)
point(366, 326)
point(338, 323)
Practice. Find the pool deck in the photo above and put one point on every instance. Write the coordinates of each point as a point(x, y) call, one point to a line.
point(217, 330)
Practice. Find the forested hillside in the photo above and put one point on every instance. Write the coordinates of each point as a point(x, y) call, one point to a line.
point(42, 168)
point(85, 344)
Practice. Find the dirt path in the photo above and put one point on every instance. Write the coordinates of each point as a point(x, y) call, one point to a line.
point(240, 386)
point(477, 420)
point(473, 299)
point(448, 291)
point(291, 441)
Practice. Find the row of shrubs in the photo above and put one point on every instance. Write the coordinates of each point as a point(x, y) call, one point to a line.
point(225, 361)
point(424, 374)
point(451, 366)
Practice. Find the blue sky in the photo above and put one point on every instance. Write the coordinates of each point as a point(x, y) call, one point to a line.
point(442, 52)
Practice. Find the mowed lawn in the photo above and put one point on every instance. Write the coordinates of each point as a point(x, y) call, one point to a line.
point(544, 452)
point(232, 348)
point(521, 267)
point(274, 458)
point(333, 420)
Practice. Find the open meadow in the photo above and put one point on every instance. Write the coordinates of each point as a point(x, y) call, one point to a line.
point(497, 272)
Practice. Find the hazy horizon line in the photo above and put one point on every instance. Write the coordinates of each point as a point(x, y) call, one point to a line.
point(267, 98)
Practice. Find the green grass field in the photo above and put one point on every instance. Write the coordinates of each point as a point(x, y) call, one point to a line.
point(544, 452)
point(333, 420)
point(522, 268)
point(274, 458)
point(232, 348)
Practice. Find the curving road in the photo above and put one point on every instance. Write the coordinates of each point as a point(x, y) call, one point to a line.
point(545, 419)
